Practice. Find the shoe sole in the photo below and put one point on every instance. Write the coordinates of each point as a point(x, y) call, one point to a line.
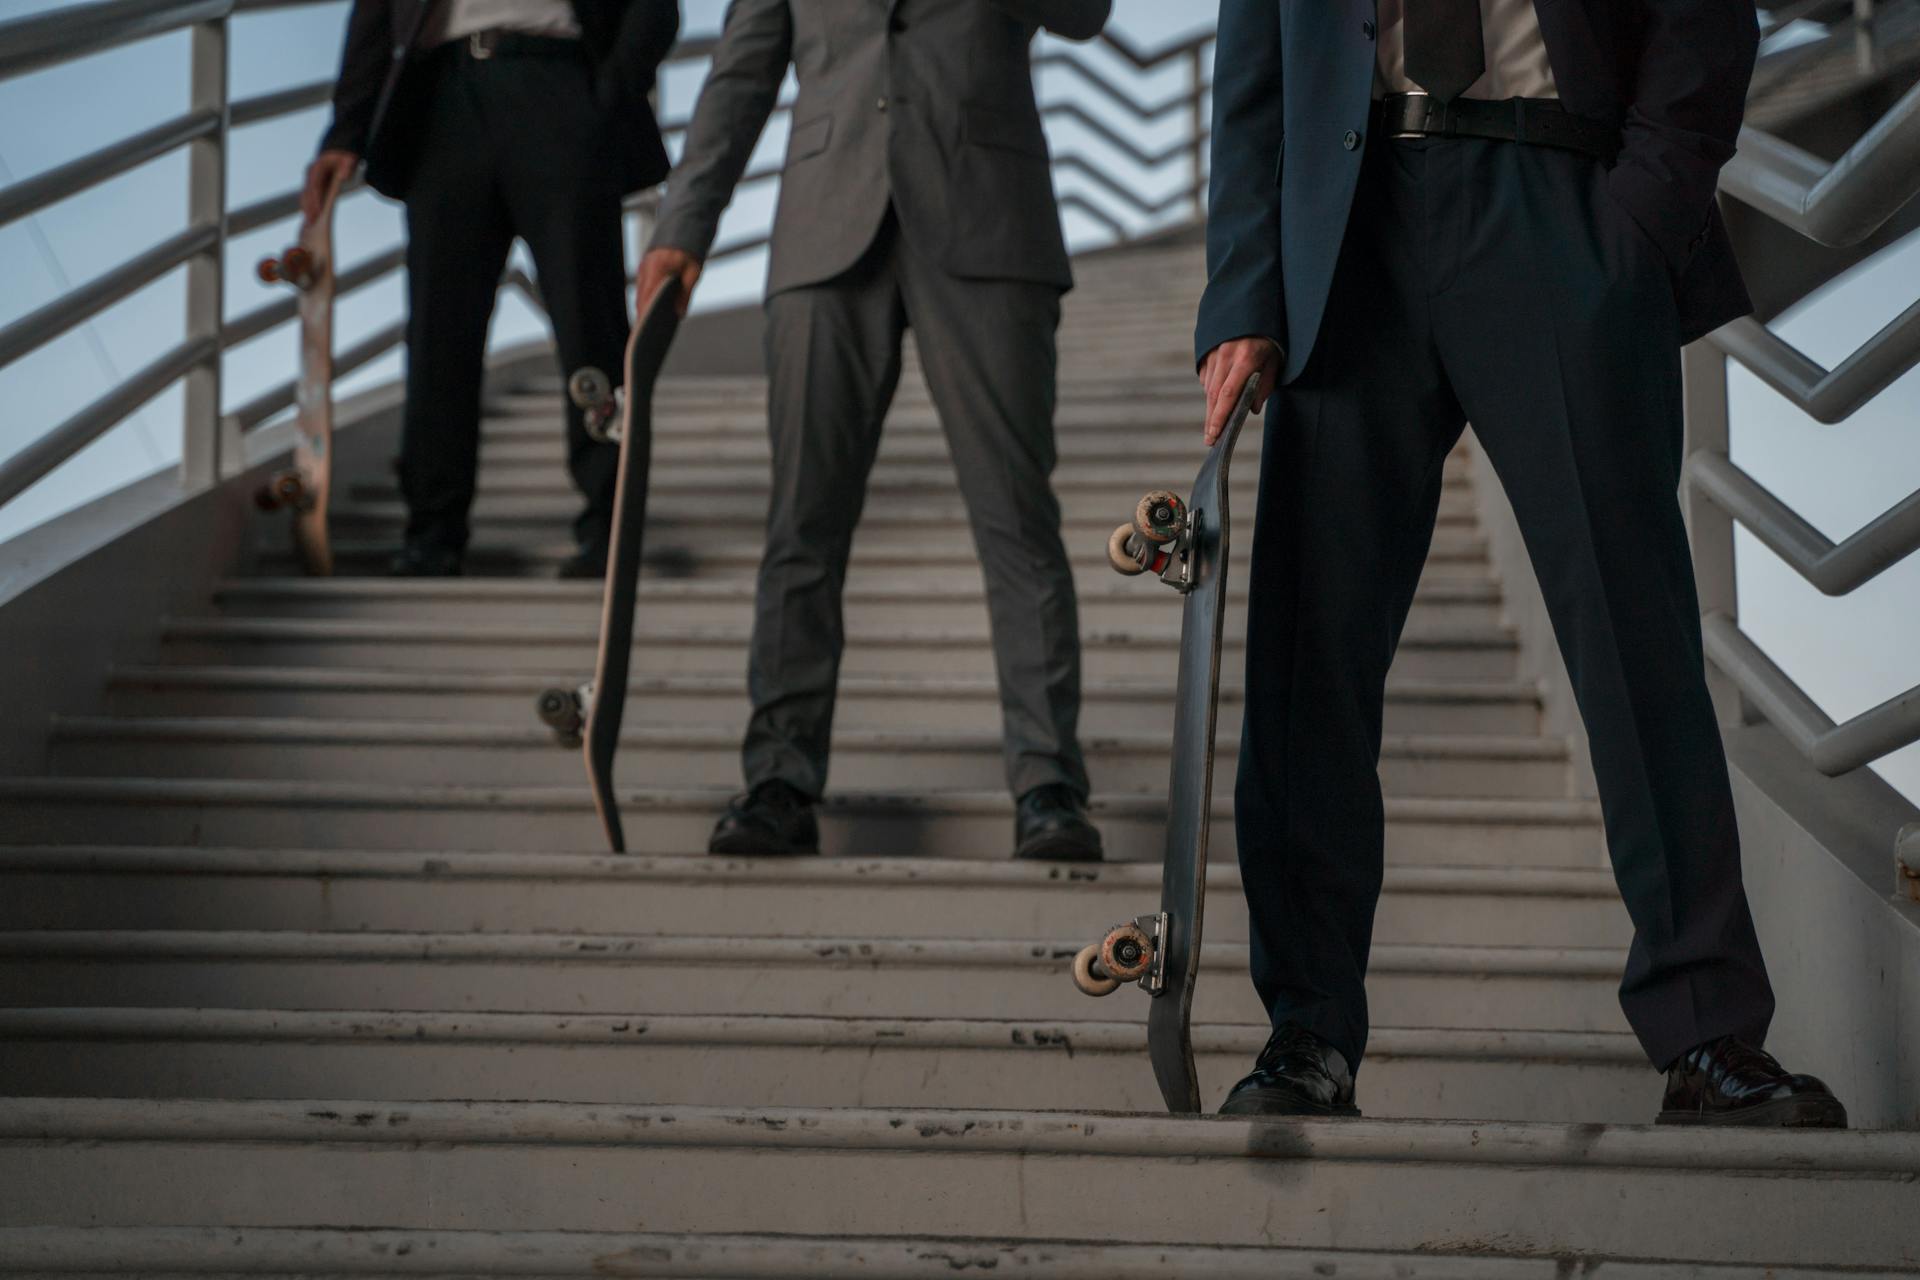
point(1273, 1104)
point(748, 847)
point(1782, 1113)
point(1056, 848)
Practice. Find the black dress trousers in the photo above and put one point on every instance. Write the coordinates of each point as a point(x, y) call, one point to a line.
point(1495, 283)
point(512, 145)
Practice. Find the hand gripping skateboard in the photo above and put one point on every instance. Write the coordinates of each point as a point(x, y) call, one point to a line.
point(1185, 543)
point(589, 717)
point(303, 488)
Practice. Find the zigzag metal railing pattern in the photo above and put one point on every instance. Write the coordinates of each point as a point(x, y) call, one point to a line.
point(1835, 204)
point(212, 439)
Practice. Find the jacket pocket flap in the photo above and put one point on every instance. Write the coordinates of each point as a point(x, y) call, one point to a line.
point(809, 138)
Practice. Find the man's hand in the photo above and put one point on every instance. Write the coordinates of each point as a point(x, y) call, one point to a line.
point(1224, 376)
point(659, 266)
point(329, 169)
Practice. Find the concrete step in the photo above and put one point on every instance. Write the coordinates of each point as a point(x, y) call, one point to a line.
point(709, 1059)
point(667, 647)
point(93, 888)
point(340, 814)
point(343, 1251)
point(486, 697)
point(537, 549)
point(1088, 514)
point(454, 753)
point(1556, 1197)
point(854, 976)
point(521, 551)
point(697, 524)
point(1105, 601)
point(1099, 443)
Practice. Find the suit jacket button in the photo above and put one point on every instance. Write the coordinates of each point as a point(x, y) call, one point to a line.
point(1366, 29)
point(1352, 141)
point(880, 105)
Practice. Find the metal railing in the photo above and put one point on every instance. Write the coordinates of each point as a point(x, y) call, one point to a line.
point(1836, 204)
point(212, 438)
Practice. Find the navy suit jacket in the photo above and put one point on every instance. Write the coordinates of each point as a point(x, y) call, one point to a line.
point(1293, 85)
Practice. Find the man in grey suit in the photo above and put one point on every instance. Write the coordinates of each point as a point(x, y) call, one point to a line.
point(917, 192)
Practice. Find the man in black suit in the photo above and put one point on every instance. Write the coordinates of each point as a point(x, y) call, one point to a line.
point(1427, 212)
point(493, 119)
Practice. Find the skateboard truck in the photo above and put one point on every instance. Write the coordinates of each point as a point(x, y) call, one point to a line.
point(565, 712)
point(1132, 952)
point(599, 400)
point(1159, 540)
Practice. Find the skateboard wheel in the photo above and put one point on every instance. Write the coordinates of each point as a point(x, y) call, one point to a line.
point(1126, 953)
point(289, 488)
point(268, 269)
point(589, 388)
point(1120, 553)
point(1084, 977)
point(1161, 517)
point(297, 266)
point(559, 710)
point(265, 498)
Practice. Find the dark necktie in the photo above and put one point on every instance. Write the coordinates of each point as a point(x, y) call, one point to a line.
point(1446, 50)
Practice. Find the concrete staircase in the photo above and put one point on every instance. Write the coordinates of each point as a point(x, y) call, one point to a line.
point(308, 964)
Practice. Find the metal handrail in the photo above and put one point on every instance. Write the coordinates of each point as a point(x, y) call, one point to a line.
point(1826, 395)
point(1835, 204)
point(47, 40)
point(1841, 203)
point(37, 328)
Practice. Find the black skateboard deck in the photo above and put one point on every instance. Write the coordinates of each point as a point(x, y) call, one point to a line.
point(591, 715)
point(1186, 544)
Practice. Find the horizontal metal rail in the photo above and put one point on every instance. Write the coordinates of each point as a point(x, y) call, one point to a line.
point(20, 472)
point(1827, 395)
point(1830, 748)
point(31, 195)
point(46, 40)
point(1832, 204)
point(1834, 568)
point(37, 328)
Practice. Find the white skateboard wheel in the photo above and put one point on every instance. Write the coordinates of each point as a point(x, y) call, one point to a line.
point(1084, 977)
point(1120, 555)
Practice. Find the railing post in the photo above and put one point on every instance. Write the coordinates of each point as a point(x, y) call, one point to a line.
point(201, 461)
point(1710, 529)
point(1197, 126)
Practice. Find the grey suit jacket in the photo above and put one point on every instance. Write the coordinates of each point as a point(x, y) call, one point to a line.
point(927, 104)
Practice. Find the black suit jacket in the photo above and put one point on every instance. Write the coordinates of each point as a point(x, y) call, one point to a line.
point(1293, 84)
point(377, 107)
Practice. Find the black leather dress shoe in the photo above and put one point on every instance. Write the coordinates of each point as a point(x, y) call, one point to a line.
point(584, 563)
point(416, 560)
point(1297, 1074)
point(774, 820)
point(1050, 825)
point(1728, 1081)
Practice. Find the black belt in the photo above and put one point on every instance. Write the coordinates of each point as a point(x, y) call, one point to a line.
point(1540, 121)
point(496, 42)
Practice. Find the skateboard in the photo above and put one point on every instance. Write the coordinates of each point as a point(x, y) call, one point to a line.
point(1185, 544)
point(589, 717)
point(304, 487)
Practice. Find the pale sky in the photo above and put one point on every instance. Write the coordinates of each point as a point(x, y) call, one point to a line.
point(1850, 654)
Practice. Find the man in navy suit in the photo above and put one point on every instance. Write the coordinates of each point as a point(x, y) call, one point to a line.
point(1429, 212)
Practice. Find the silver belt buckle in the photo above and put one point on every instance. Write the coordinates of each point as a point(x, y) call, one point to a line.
point(480, 44)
